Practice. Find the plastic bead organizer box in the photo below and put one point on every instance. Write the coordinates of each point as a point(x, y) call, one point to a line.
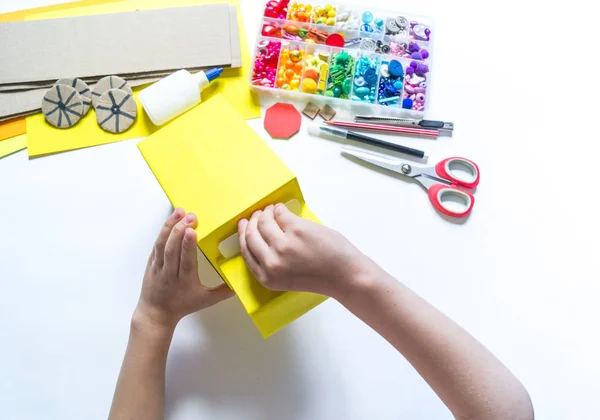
point(347, 55)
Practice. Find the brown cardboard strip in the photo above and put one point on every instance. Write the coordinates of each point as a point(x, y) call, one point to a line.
point(195, 36)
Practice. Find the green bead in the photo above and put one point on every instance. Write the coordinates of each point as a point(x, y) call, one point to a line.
point(337, 91)
point(347, 86)
point(329, 94)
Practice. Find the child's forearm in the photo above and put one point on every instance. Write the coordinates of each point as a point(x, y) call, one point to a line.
point(140, 391)
point(466, 376)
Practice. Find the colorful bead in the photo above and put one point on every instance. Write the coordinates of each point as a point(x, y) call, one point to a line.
point(277, 9)
point(415, 86)
point(348, 20)
point(290, 68)
point(300, 12)
point(371, 23)
point(367, 17)
point(315, 68)
point(420, 31)
point(265, 63)
point(325, 15)
point(391, 80)
point(339, 82)
point(365, 78)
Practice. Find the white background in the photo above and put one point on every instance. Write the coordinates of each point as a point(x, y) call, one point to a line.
point(522, 274)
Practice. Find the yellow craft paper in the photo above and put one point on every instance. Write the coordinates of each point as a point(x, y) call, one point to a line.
point(11, 129)
point(233, 84)
point(22, 14)
point(12, 145)
point(210, 162)
point(45, 139)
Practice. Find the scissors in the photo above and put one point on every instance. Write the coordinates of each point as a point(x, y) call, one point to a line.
point(444, 182)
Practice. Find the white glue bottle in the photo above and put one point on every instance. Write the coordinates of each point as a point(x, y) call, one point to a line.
point(175, 94)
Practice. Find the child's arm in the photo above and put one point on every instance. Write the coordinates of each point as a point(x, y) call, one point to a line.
point(286, 252)
point(171, 290)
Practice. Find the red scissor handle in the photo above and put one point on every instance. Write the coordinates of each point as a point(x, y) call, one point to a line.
point(445, 168)
point(450, 200)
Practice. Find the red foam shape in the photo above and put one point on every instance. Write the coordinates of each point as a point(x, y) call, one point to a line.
point(282, 121)
point(335, 40)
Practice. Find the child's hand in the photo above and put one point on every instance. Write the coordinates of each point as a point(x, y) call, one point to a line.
point(171, 287)
point(287, 252)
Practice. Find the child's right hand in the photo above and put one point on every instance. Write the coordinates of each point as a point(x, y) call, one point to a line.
point(287, 252)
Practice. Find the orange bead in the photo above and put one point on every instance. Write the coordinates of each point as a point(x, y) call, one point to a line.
point(289, 65)
point(280, 81)
point(301, 16)
point(298, 67)
point(289, 73)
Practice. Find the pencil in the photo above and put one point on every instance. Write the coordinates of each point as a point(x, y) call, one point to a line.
point(386, 128)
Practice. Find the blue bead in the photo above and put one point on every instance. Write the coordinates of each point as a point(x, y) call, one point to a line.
point(367, 17)
point(371, 76)
point(379, 22)
point(362, 91)
point(398, 85)
point(407, 103)
point(366, 28)
point(395, 68)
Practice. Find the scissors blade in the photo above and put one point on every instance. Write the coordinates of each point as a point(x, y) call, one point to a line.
point(386, 163)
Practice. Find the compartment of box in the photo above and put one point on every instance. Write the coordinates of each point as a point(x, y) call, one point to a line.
point(291, 65)
point(366, 75)
point(265, 63)
point(390, 89)
point(341, 70)
point(316, 66)
point(415, 85)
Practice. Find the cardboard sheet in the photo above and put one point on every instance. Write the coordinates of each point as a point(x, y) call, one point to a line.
point(227, 175)
point(12, 145)
point(5, 130)
point(12, 129)
point(78, 46)
point(234, 84)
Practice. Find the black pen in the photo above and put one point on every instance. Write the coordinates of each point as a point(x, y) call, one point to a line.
point(351, 135)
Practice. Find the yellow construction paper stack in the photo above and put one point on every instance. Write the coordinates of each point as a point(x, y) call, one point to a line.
point(232, 84)
point(210, 162)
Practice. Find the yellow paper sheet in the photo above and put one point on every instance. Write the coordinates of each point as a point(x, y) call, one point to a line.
point(22, 14)
point(12, 145)
point(232, 84)
point(11, 129)
point(211, 163)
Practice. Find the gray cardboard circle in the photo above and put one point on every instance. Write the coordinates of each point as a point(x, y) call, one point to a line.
point(106, 83)
point(116, 110)
point(81, 87)
point(62, 106)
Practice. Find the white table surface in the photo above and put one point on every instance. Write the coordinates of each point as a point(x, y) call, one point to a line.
point(522, 274)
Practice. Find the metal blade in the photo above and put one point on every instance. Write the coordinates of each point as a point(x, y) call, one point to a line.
point(386, 163)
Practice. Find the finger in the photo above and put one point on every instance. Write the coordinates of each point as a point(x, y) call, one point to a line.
point(216, 294)
point(255, 242)
point(268, 227)
point(284, 217)
point(188, 263)
point(250, 259)
point(175, 242)
point(161, 241)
